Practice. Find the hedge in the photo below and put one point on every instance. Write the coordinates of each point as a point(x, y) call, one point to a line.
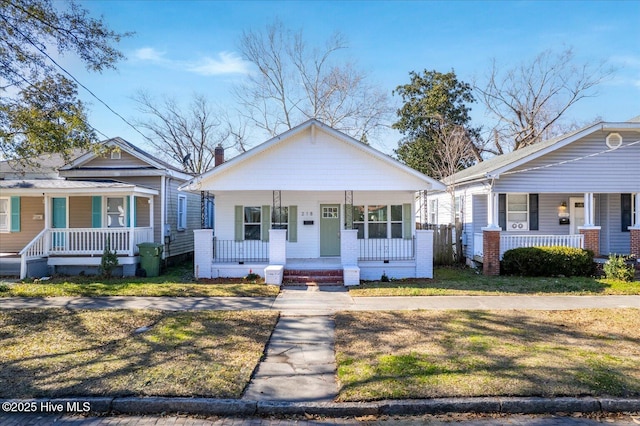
point(548, 262)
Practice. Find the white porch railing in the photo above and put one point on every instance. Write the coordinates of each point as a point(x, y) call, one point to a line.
point(508, 242)
point(87, 241)
point(36, 249)
point(82, 241)
point(386, 249)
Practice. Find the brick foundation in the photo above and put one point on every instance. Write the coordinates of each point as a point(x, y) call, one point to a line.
point(591, 239)
point(491, 252)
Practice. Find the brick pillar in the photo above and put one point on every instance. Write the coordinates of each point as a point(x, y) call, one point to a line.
point(635, 245)
point(491, 251)
point(424, 254)
point(202, 252)
point(591, 238)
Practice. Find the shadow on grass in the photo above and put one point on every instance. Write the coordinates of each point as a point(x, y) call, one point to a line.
point(488, 353)
point(57, 352)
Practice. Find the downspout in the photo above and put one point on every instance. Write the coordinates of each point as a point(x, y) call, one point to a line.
point(163, 207)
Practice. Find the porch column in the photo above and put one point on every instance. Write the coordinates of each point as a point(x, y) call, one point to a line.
point(277, 246)
point(492, 211)
point(424, 254)
point(202, 253)
point(132, 220)
point(491, 250)
point(590, 232)
point(635, 231)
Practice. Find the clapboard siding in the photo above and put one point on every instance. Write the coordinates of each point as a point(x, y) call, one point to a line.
point(313, 160)
point(126, 161)
point(31, 209)
point(80, 212)
point(153, 182)
point(308, 206)
point(613, 171)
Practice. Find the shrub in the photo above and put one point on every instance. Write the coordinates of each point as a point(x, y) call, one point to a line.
point(548, 261)
point(109, 260)
point(252, 277)
point(617, 268)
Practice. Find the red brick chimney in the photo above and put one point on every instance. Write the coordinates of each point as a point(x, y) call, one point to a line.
point(218, 155)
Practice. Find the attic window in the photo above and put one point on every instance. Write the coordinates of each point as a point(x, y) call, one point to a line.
point(614, 140)
point(116, 155)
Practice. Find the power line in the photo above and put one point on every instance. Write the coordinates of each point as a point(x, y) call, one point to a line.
point(74, 78)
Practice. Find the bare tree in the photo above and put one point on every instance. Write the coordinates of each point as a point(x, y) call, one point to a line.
point(529, 100)
point(295, 82)
point(188, 136)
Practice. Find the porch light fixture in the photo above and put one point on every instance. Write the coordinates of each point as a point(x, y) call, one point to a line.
point(562, 209)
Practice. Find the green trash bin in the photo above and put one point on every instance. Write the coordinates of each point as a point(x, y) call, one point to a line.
point(150, 258)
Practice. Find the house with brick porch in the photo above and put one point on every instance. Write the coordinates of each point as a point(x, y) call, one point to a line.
point(313, 202)
point(581, 189)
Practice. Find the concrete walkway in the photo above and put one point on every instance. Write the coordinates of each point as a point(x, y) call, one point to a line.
point(300, 363)
point(302, 301)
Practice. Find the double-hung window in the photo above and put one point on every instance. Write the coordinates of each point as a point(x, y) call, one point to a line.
point(433, 211)
point(252, 222)
point(5, 215)
point(378, 221)
point(517, 212)
point(182, 212)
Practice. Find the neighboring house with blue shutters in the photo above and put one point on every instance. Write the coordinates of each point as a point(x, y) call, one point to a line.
point(58, 217)
point(581, 189)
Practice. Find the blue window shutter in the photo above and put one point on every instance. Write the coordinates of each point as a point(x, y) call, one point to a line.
point(15, 214)
point(96, 211)
point(135, 211)
point(127, 200)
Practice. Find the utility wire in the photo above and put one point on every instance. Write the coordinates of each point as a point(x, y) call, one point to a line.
point(74, 78)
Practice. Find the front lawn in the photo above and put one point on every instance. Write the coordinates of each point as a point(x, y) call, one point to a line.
point(467, 281)
point(58, 352)
point(435, 354)
point(177, 282)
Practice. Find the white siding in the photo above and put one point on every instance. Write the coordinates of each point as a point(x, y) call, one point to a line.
point(313, 161)
point(308, 203)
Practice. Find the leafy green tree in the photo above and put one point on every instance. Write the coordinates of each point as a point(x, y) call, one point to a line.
point(32, 32)
point(436, 107)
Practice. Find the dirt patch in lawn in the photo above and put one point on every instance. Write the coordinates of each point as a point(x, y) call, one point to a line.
point(58, 352)
point(488, 353)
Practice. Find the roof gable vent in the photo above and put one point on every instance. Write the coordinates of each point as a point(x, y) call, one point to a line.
point(614, 140)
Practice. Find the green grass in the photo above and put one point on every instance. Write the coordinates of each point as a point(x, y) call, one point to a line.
point(466, 281)
point(58, 352)
point(177, 282)
point(487, 353)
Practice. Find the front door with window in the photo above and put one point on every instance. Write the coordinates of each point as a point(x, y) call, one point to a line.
point(576, 214)
point(329, 230)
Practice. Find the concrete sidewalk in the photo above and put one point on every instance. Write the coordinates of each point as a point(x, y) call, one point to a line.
point(302, 301)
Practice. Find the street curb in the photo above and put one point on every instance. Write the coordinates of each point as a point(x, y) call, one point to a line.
point(248, 408)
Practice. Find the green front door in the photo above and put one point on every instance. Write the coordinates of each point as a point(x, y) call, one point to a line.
point(329, 230)
point(58, 220)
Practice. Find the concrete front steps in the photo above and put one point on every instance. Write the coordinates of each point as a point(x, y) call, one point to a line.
point(312, 277)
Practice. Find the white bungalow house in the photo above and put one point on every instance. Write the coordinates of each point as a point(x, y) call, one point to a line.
point(580, 189)
point(57, 218)
point(313, 199)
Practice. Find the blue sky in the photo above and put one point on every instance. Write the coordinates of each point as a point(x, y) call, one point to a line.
point(185, 47)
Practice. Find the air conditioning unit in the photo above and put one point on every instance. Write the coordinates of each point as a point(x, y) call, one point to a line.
point(517, 226)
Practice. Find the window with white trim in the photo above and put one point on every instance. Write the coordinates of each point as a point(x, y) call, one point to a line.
point(182, 212)
point(5, 215)
point(115, 212)
point(252, 223)
point(433, 211)
point(378, 221)
point(517, 212)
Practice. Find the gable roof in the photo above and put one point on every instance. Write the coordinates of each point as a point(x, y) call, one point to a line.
point(132, 150)
point(266, 149)
point(494, 166)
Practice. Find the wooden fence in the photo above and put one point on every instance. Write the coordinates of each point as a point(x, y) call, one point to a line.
point(447, 245)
